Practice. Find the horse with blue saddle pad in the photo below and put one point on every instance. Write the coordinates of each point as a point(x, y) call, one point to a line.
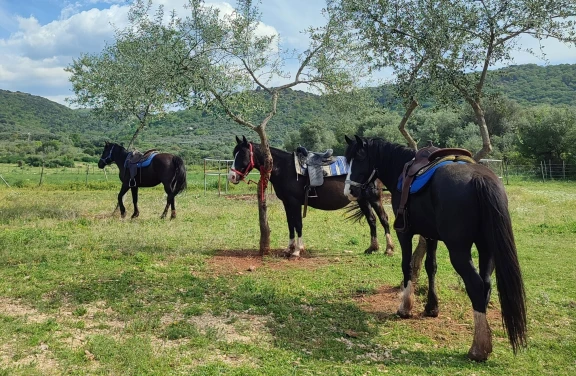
point(146, 169)
point(290, 185)
point(463, 204)
point(419, 171)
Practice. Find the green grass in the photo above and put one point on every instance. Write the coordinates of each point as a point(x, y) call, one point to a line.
point(83, 292)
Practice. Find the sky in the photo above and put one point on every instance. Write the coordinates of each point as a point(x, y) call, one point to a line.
point(39, 38)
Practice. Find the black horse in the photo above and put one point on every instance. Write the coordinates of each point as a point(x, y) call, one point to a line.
point(164, 168)
point(290, 189)
point(463, 204)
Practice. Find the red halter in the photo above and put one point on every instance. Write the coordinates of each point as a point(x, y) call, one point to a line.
point(249, 167)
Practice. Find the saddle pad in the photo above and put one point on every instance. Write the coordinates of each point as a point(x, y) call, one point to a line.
point(145, 163)
point(339, 167)
point(421, 180)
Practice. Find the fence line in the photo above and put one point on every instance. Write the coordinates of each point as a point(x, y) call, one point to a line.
point(87, 173)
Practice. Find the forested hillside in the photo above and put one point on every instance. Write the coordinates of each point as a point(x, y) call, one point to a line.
point(33, 128)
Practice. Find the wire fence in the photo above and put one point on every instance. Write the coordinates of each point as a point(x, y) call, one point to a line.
point(211, 175)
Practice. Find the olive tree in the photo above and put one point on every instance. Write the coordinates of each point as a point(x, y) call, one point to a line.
point(235, 68)
point(447, 47)
point(132, 78)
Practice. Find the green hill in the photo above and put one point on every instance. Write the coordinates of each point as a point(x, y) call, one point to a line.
point(25, 118)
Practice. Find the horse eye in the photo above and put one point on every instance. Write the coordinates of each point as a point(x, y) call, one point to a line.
point(361, 154)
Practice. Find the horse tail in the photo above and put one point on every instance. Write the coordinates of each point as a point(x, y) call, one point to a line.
point(353, 212)
point(497, 228)
point(179, 181)
point(372, 194)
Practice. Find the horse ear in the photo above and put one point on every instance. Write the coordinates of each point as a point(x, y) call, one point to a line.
point(244, 139)
point(359, 140)
point(348, 140)
point(238, 141)
point(106, 143)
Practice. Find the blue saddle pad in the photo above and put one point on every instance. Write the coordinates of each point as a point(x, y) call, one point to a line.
point(421, 180)
point(339, 167)
point(145, 163)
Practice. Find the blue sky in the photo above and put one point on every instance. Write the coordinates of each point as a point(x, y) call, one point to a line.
point(39, 38)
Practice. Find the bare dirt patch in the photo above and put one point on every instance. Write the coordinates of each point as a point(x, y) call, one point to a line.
point(241, 261)
point(454, 320)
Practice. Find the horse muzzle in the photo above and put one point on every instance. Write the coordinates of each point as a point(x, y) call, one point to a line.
point(233, 177)
point(101, 164)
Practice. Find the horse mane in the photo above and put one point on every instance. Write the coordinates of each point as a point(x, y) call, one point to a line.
point(399, 154)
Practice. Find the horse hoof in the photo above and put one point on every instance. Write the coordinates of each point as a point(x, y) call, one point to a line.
point(369, 251)
point(389, 252)
point(404, 315)
point(431, 312)
point(477, 355)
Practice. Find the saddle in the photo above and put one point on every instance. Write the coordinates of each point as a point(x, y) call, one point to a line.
point(425, 159)
point(135, 160)
point(313, 162)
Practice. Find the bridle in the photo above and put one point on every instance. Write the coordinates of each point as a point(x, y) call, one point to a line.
point(363, 186)
point(249, 167)
point(108, 159)
point(369, 181)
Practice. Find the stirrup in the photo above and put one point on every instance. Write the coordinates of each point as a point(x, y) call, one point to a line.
point(315, 194)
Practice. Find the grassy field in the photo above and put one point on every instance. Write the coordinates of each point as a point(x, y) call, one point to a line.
point(85, 293)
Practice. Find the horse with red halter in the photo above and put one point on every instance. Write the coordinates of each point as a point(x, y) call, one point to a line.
point(157, 168)
point(462, 204)
point(290, 189)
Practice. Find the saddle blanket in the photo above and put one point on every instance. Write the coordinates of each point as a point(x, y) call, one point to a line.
point(339, 167)
point(421, 180)
point(145, 163)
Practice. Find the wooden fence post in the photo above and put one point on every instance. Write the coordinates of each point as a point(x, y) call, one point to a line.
point(41, 174)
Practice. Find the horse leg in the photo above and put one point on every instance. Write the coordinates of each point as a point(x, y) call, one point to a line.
point(407, 303)
point(371, 219)
point(135, 201)
point(482, 343)
point(169, 202)
point(120, 204)
point(431, 308)
point(291, 241)
point(172, 205)
point(461, 259)
point(294, 215)
point(383, 217)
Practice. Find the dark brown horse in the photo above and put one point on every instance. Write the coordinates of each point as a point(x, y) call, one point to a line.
point(462, 204)
point(164, 168)
point(290, 189)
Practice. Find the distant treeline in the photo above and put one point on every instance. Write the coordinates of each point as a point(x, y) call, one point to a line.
point(531, 119)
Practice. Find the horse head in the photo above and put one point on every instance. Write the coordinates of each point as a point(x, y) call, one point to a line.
point(362, 171)
point(106, 158)
point(243, 160)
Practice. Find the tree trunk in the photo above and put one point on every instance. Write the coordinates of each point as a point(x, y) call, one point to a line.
point(420, 250)
point(140, 127)
point(402, 126)
point(486, 144)
point(262, 186)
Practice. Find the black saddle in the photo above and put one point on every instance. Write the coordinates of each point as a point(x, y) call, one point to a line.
point(134, 161)
point(312, 158)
